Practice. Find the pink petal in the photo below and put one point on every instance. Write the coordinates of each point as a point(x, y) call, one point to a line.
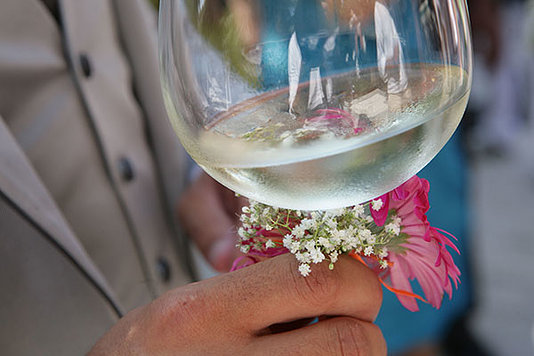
point(248, 262)
point(399, 280)
point(380, 216)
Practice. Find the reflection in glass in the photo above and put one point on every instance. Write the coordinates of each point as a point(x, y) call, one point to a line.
point(314, 104)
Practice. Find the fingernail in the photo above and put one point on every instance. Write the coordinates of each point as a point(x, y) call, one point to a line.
point(221, 253)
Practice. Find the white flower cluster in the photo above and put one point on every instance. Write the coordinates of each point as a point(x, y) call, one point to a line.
point(316, 236)
point(256, 217)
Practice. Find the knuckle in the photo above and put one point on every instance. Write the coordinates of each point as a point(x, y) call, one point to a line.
point(350, 338)
point(186, 308)
point(319, 288)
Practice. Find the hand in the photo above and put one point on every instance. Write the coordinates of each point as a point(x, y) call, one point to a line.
point(209, 212)
point(243, 312)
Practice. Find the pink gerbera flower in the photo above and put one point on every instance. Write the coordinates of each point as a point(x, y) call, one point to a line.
point(423, 255)
point(398, 242)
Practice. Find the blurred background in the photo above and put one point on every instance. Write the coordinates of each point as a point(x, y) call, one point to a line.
point(497, 142)
point(498, 136)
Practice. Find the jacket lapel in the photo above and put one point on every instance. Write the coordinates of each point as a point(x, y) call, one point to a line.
point(20, 183)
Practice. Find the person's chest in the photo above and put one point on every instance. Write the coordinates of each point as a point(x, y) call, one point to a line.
point(66, 94)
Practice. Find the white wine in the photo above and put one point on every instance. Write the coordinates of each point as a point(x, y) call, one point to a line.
point(329, 149)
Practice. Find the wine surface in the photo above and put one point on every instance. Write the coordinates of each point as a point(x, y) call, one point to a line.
point(336, 141)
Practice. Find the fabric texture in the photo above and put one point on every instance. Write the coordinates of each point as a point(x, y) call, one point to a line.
point(89, 172)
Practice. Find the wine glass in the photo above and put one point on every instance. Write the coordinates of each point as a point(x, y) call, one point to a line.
point(314, 104)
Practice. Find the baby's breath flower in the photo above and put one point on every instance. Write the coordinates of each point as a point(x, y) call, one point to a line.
point(317, 256)
point(294, 247)
point(316, 236)
point(288, 239)
point(307, 224)
point(324, 242)
point(331, 223)
point(310, 246)
point(377, 204)
point(358, 210)
point(350, 242)
point(270, 244)
point(392, 228)
point(352, 231)
point(383, 252)
point(299, 231)
point(303, 257)
point(365, 235)
point(333, 256)
point(336, 239)
point(335, 212)
point(304, 269)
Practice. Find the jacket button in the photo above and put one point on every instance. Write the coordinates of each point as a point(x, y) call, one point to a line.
point(126, 169)
point(85, 64)
point(163, 269)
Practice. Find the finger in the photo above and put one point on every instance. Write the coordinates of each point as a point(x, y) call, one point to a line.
point(335, 336)
point(223, 252)
point(274, 292)
point(205, 219)
point(231, 202)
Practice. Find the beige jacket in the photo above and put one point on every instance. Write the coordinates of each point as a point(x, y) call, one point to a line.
point(89, 168)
